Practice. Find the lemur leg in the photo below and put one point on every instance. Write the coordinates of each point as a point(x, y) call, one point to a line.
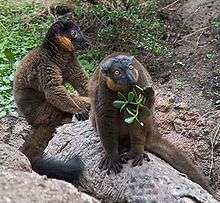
point(43, 123)
point(138, 137)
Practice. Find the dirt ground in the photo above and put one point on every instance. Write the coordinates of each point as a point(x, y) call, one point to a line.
point(191, 75)
point(188, 83)
point(194, 65)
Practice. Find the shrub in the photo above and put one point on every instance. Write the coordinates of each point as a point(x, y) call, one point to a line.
point(20, 32)
point(128, 25)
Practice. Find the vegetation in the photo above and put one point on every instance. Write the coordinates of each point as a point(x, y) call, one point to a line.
point(131, 105)
point(130, 26)
point(19, 34)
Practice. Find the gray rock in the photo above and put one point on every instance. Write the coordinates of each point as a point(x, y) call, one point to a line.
point(24, 187)
point(154, 181)
point(19, 184)
point(14, 131)
point(11, 158)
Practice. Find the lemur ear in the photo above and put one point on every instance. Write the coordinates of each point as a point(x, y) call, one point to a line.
point(65, 42)
point(106, 65)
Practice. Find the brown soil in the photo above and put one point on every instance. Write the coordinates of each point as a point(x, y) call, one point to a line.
point(188, 84)
point(192, 74)
point(194, 64)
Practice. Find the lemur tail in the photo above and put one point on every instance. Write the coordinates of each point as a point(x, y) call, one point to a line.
point(69, 170)
point(165, 150)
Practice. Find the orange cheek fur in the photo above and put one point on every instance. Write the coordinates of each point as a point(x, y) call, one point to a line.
point(65, 43)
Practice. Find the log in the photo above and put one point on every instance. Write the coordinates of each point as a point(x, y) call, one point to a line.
point(154, 181)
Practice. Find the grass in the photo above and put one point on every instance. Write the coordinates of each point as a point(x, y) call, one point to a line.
point(20, 34)
point(109, 29)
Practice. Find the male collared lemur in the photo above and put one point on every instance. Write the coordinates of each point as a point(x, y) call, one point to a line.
point(120, 73)
point(41, 97)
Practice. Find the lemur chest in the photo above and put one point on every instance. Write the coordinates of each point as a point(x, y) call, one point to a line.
point(68, 69)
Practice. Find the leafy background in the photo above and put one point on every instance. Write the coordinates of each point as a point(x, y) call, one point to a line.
point(132, 26)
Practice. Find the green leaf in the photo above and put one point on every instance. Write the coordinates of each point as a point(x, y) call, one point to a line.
point(142, 124)
point(140, 98)
point(14, 114)
point(210, 55)
point(217, 102)
point(130, 96)
point(118, 104)
point(9, 54)
point(144, 101)
point(123, 107)
point(3, 114)
point(130, 120)
point(135, 93)
point(130, 112)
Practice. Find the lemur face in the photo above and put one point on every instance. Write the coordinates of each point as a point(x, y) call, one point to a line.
point(68, 35)
point(77, 38)
point(120, 71)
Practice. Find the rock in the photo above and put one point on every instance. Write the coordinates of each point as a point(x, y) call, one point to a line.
point(24, 187)
point(14, 131)
point(11, 158)
point(79, 138)
point(182, 105)
point(18, 183)
point(154, 181)
point(162, 105)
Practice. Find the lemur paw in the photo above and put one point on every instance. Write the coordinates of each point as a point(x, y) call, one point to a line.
point(111, 164)
point(138, 158)
point(82, 115)
point(148, 91)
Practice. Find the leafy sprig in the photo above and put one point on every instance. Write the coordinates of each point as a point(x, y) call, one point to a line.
point(132, 104)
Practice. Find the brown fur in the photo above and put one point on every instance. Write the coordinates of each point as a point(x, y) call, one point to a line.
point(40, 94)
point(114, 131)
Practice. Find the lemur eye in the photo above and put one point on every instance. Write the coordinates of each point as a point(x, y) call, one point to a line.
point(74, 33)
point(130, 67)
point(117, 72)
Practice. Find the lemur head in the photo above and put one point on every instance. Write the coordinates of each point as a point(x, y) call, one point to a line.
point(67, 35)
point(119, 72)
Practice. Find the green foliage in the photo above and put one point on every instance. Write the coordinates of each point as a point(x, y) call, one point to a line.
point(129, 26)
point(210, 56)
point(132, 105)
point(179, 84)
point(89, 60)
point(215, 23)
point(20, 31)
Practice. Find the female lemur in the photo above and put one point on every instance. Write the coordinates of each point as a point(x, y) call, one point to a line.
point(120, 73)
point(41, 97)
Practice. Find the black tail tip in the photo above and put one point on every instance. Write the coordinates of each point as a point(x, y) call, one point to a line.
point(69, 170)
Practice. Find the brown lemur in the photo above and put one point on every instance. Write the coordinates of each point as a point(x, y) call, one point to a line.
point(41, 97)
point(120, 73)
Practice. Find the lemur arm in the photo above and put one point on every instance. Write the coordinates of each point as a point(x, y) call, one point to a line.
point(55, 93)
point(78, 79)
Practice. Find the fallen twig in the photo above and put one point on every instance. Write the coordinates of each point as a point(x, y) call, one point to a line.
point(170, 5)
point(193, 33)
point(214, 139)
